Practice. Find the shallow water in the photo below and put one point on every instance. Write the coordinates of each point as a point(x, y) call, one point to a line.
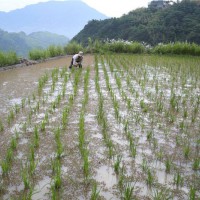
point(21, 83)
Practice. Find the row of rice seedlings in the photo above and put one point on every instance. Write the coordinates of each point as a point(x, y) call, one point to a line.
point(16, 109)
point(125, 123)
point(6, 164)
point(56, 163)
point(150, 175)
point(126, 188)
point(114, 100)
point(186, 149)
point(169, 164)
point(82, 144)
point(28, 168)
point(31, 163)
point(67, 109)
point(101, 117)
point(1, 126)
point(150, 136)
point(41, 83)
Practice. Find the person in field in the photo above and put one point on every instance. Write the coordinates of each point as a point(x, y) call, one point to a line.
point(77, 60)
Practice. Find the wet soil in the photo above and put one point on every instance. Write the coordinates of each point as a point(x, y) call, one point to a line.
point(157, 140)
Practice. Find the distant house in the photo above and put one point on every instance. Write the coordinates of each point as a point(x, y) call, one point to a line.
point(157, 4)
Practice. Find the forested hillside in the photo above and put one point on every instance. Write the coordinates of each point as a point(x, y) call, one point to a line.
point(22, 43)
point(179, 22)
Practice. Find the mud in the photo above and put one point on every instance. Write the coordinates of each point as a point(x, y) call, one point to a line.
point(152, 148)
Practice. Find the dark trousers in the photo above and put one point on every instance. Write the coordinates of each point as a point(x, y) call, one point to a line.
point(71, 64)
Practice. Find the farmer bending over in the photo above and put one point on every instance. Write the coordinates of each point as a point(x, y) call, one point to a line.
point(77, 60)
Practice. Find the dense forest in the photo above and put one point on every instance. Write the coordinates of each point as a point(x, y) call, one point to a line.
point(22, 43)
point(178, 22)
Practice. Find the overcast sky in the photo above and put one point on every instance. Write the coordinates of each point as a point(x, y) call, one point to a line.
point(111, 8)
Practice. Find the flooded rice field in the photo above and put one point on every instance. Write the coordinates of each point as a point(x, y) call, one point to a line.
point(122, 127)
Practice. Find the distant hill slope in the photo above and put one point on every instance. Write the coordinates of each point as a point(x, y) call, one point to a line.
point(61, 17)
point(22, 43)
point(179, 22)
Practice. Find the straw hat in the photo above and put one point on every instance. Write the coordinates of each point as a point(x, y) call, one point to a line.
point(80, 53)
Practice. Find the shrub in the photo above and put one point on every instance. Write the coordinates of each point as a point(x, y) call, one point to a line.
point(9, 58)
point(72, 48)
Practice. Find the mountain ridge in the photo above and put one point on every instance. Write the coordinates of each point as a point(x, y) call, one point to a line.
point(60, 17)
point(21, 43)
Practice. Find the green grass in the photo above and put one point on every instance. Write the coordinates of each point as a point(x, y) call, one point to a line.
point(9, 58)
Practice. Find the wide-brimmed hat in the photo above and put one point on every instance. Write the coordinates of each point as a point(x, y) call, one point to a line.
point(80, 53)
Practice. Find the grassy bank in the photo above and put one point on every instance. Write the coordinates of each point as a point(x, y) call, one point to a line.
point(113, 46)
point(9, 58)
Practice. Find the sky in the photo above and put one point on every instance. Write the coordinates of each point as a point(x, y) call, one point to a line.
point(111, 8)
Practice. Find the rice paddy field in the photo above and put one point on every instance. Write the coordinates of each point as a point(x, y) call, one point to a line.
point(122, 127)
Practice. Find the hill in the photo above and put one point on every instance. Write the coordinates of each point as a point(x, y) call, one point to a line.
point(60, 17)
point(179, 22)
point(22, 43)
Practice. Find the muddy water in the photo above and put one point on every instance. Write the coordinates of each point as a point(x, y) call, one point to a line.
point(19, 83)
point(22, 82)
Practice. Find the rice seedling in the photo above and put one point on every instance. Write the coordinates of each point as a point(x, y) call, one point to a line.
point(133, 151)
point(95, 192)
point(117, 164)
point(23, 101)
point(121, 180)
point(160, 155)
point(25, 177)
point(38, 106)
point(27, 195)
point(196, 164)
point(168, 165)
point(128, 192)
point(9, 156)
point(32, 166)
point(10, 117)
point(33, 97)
point(86, 164)
point(149, 135)
point(59, 149)
point(155, 143)
point(16, 108)
point(186, 151)
point(192, 193)
point(43, 125)
point(55, 164)
point(5, 166)
point(64, 117)
point(109, 144)
point(36, 137)
point(182, 125)
point(143, 106)
point(162, 194)
point(178, 179)
point(150, 178)
point(13, 143)
point(57, 179)
point(145, 166)
point(24, 127)
point(1, 126)
point(31, 153)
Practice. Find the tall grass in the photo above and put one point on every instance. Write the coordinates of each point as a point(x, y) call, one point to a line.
point(41, 54)
point(72, 48)
point(9, 58)
point(180, 48)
